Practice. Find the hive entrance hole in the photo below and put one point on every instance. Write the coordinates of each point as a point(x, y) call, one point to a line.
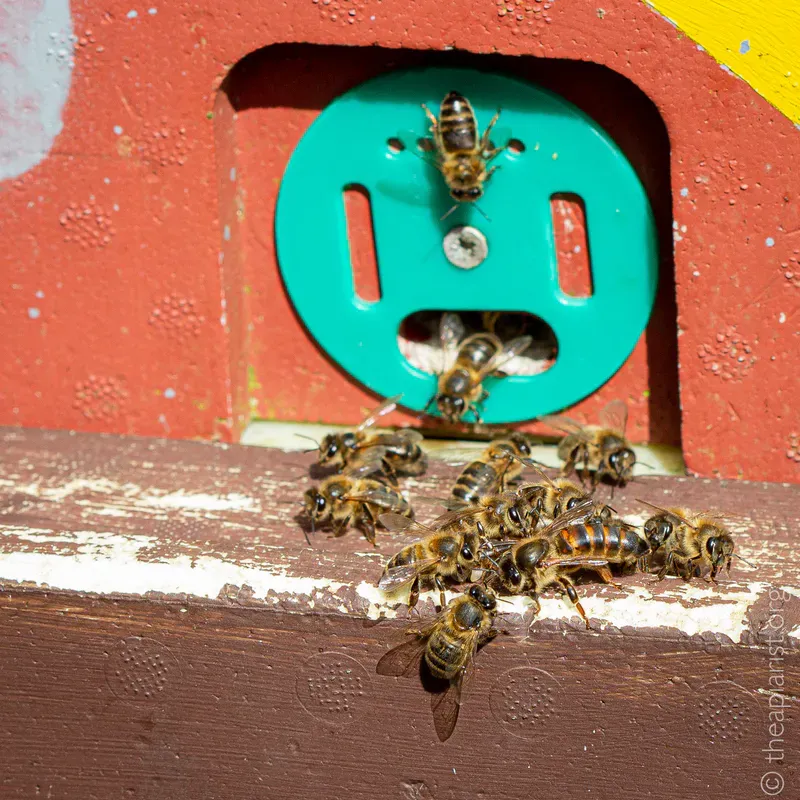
point(418, 338)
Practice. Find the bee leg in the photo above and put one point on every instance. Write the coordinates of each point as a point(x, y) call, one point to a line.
point(413, 596)
point(474, 409)
point(573, 596)
point(530, 614)
point(569, 464)
point(439, 583)
point(340, 531)
point(607, 577)
point(488, 151)
point(369, 532)
point(431, 401)
point(432, 117)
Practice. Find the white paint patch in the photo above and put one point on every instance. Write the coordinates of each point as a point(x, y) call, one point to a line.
point(99, 485)
point(108, 563)
point(635, 607)
point(37, 44)
point(202, 502)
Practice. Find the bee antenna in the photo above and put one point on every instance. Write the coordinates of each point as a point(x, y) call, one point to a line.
point(494, 563)
point(447, 214)
point(503, 600)
point(645, 464)
point(749, 563)
point(483, 213)
point(310, 439)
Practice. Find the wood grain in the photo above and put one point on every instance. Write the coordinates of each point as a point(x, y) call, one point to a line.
point(232, 661)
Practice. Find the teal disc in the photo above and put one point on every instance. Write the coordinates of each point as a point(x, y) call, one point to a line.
point(565, 152)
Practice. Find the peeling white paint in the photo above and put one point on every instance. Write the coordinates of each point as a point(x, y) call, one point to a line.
point(196, 501)
point(109, 563)
point(112, 563)
point(37, 43)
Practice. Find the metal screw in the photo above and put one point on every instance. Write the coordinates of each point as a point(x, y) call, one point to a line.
point(465, 247)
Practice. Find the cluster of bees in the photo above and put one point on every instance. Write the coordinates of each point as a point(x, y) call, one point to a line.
point(519, 538)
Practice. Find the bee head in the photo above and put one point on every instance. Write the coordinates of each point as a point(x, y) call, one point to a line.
point(521, 443)
point(720, 549)
point(470, 551)
point(330, 449)
point(452, 408)
point(621, 463)
point(657, 531)
point(467, 195)
point(315, 503)
point(484, 597)
point(511, 576)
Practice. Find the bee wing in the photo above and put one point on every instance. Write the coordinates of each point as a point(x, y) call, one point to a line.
point(403, 660)
point(577, 514)
point(389, 404)
point(669, 513)
point(455, 515)
point(537, 468)
point(385, 441)
point(372, 454)
point(398, 576)
point(614, 416)
point(410, 435)
point(398, 523)
point(373, 496)
point(446, 705)
point(451, 332)
point(451, 503)
point(368, 466)
point(576, 562)
point(509, 350)
point(566, 425)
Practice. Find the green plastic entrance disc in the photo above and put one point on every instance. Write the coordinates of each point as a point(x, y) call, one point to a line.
point(564, 152)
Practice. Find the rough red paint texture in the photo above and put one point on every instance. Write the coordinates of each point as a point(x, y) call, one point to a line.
point(151, 321)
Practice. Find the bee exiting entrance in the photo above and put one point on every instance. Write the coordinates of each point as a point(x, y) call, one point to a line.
point(419, 340)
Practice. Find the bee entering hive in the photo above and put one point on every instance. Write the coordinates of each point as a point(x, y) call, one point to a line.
point(421, 344)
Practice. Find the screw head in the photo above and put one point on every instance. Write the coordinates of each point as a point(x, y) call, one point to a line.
point(465, 247)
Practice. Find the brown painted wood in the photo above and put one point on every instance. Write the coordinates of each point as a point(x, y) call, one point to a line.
point(174, 695)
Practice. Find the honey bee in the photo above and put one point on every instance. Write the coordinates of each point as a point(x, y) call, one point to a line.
point(447, 647)
point(552, 497)
point(397, 452)
point(691, 542)
point(492, 470)
point(460, 386)
point(573, 542)
point(496, 516)
point(443, 553)
point(353, 497)
point(462, 156)
point(603, 449)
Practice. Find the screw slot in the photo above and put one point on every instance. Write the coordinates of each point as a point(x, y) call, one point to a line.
point(516, 146)
point(395, 145)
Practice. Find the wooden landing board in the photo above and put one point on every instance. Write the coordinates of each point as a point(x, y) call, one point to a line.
point(165, 632)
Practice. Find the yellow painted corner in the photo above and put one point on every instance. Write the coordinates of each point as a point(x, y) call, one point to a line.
point(756, 39)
